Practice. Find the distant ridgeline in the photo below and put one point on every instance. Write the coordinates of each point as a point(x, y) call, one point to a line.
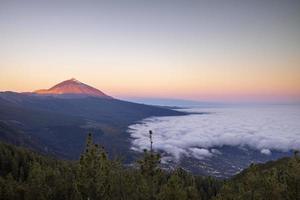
point(28, 175)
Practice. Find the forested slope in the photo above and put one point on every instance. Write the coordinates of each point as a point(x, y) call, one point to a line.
point(28, 175)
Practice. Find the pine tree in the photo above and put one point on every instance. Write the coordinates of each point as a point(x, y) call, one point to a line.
point(292, 178)
point(93, 172)
point(173, 189)
point(149, 168)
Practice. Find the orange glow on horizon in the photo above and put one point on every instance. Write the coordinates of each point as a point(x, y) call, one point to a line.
point(213, 83)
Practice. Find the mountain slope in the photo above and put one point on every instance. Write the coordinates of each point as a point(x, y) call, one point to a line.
point(60, 124)
point(73, 87)
point(28, 175)
point(278, 179)
point(24, 173)
point(11, 135)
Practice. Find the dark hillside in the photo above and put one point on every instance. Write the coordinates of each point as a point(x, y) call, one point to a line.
point(274, 180)
point(60, 125)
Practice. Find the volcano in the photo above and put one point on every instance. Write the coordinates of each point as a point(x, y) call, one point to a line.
point(73, 87)
point(56, 121)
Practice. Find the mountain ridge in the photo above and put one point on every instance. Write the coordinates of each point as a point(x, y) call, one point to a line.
point(59, 122)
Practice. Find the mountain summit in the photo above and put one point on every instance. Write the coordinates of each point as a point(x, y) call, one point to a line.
point(73, 87)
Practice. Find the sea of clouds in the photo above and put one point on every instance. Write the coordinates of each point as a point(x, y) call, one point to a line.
point(263, 128)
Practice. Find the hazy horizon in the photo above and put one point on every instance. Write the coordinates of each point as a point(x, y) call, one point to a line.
point(221, 51)
point(181, 102)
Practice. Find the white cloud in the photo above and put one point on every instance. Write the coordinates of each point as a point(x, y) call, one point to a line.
point(216, 151)
point(266, 151)
point(200, 153)
point(261, 128)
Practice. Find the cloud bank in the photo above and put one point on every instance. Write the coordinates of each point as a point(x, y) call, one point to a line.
point(261, 128)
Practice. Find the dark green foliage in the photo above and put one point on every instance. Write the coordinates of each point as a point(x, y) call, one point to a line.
point(28, 175)
point(94, 173)
point(273, 180)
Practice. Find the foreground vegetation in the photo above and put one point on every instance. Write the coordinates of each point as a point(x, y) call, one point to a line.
point(28, 175)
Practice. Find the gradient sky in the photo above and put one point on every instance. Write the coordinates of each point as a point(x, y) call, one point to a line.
point(200, 50)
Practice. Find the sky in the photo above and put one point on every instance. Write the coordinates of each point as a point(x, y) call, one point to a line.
point(197, 50)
